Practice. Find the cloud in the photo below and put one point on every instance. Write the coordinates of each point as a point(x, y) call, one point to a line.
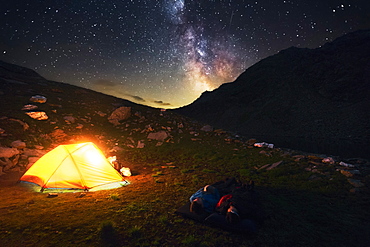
point(160, 102)
point(138, 98)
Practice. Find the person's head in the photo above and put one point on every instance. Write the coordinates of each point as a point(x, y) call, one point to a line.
point(196, 206)
point(232, 215)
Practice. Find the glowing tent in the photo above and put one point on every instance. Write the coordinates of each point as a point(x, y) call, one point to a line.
point(74, 166)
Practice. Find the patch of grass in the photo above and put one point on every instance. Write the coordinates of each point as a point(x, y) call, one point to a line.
point(135, 231)
point(185, 170)
point(157, 174)
point(208, 171)
point(190, 240)
point(114, 197)
point(108, 234)
point(303, 208)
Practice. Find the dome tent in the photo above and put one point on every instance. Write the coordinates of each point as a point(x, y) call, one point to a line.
point(74, 166)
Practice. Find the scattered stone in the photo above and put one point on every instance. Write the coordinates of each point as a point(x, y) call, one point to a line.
point(298, 157)
point(31, 161)
point(350, 173)
point(219, 131)
point(69, 119)
point(251, 142)
point(7, 164)
point(264, 166)
point(102, 114)
point(207, 128)
point(58, 135)
point(119, 114)
point(140, 144)
point(159, 136)
point(38, 115)
point(345, 164)
point(274, 165)
point(116, 149)
point(38, 99)
point(18, 144)
point(29, 107)
point(328, 160)
point(356, 183)
point(51, 195)
point(268, 154)
point(24, 125)
point(8, 152)
point(79, 126)
point(38, 152)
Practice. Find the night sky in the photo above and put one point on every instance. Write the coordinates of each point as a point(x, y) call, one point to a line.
point(164, 53)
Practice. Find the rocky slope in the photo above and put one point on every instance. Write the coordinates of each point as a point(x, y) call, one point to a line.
point(316, 100)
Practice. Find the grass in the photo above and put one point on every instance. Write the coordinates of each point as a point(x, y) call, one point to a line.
point(304, 208)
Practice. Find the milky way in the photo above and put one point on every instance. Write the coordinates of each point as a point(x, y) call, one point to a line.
point(164, 53)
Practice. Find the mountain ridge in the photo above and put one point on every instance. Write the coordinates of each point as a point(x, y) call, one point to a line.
point(310, 99)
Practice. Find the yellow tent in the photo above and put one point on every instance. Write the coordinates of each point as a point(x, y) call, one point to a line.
point(74, 166)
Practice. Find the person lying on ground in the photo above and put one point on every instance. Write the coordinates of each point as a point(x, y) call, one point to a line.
point(204, 200)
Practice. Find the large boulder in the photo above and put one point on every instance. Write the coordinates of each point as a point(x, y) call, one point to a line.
point(119, 114)
point(159, 136)
point(38, 115)
point(8, 152)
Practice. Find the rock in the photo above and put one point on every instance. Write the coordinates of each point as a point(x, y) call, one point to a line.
point(8, 152)
point(251, 142)
point(69, 119)
point(274, 165)
point(298, 158)
point(38, 99)
point(29, 107)
point(18, 144)
point(159, 136)
point(8, 164)
point(31, 161)
point(356, 183)
point(102, 114)
point(58, 135)
point(24, 125)
point(33, 152)
point(264, 166)
point(38, 115)
point(140, 144)
point(207, 128)
point(346, 164)
point(350, 173)
point(119, 114)
point(328, 160)
point(116, 149)
point(79, 126)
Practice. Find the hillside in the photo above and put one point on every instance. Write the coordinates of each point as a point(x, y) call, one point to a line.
point(316, 100)
point(308, 199)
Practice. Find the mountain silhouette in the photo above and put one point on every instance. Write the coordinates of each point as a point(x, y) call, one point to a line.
point(315, 100)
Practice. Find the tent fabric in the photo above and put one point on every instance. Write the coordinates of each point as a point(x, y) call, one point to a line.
point(77, 166)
